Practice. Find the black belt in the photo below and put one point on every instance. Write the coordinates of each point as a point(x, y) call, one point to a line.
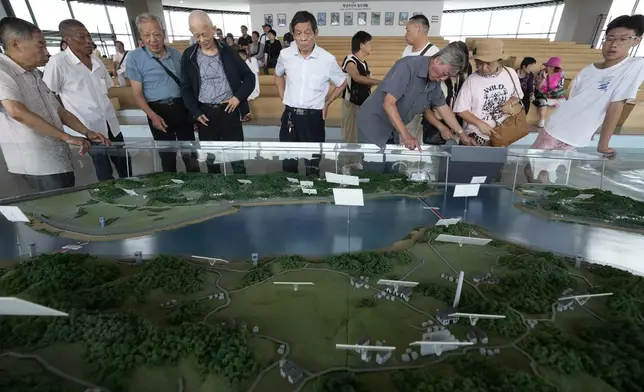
point(167, 102)
point(221, 105)
point(302, 112)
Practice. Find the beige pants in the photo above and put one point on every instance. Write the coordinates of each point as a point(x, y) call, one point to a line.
point(349, 129)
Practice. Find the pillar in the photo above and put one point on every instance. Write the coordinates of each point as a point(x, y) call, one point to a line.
point(582, 21)
point(137, 7)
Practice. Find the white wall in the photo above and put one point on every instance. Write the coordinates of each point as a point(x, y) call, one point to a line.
point(428, 8)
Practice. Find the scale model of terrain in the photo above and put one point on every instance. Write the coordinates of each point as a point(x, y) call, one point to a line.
point(162, 201)
point(182, 325)
point(587, 206)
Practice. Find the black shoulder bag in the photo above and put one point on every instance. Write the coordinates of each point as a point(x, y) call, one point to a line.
point(170, 73)
point(426, 49)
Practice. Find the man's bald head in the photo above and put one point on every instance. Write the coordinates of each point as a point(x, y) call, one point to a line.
point(202, 29)
point(198, 17)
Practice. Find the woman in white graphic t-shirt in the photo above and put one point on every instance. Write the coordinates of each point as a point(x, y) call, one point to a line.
point(488, 95)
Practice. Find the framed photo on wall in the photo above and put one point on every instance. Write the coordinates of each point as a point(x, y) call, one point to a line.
point(281, 20)
point(268, 19)
point(403, 18)
point(389, 18)
point(375, 18)
point(362, 18)
point(335, 18)
point(348, 18)
point(321, 18)
point(417, 13)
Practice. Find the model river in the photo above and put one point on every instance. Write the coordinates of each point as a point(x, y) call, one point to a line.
point(321, 229)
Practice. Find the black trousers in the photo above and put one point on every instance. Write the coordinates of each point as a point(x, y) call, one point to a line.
point(222, 126)
point(180, 127)
point(49, 182)
point(103, 159)
point(526, 103)
point(302, 125)
point(270, 63)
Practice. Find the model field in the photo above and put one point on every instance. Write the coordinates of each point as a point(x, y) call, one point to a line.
point(427, 316)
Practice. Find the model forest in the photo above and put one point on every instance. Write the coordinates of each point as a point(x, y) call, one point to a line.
point(181, 325)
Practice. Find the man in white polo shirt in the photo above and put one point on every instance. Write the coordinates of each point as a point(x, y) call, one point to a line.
point(32, 139)
point(81, 80)
point(302, 75)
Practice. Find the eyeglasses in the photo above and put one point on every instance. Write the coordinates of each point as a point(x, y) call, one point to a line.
point(620, 41)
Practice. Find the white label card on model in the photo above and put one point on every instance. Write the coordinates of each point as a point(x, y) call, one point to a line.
point(348, 197)
point(584, 196)
point(466, 190)
point(11, 306)
point(309, 191)
point(176, 181)
point(13, 214)
point(306, 184)
point(364, 180)
point(342, 179)
point(292, 180)
point(130, 192)
point(478, 180)
point(245, 182)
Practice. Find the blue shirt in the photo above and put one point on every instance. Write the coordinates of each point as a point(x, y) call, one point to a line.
point(157, 84)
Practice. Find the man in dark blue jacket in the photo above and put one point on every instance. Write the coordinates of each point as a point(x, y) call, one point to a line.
point(216, 84)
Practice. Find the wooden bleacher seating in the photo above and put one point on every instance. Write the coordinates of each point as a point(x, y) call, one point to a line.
point(267, 108)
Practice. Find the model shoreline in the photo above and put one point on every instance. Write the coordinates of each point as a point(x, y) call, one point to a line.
point(41, 224)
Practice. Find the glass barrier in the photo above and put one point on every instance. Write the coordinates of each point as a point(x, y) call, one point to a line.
point(301, 267)
point(550, 167)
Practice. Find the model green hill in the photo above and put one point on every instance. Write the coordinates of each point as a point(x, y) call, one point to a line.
point(603, 206)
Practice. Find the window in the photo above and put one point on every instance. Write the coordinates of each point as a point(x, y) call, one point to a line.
point(525, 22)
point(120, 22)
point(505, 22)
point(452, 24)
point(476, 23)
point(92, 16)
point(536, 21)
point(49, 14)
point(180, 27)
point(232, 23)
point(21, 10)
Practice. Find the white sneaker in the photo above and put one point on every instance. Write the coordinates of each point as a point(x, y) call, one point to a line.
point(541, 123)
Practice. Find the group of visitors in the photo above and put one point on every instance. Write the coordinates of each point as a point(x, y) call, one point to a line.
point(429, 95)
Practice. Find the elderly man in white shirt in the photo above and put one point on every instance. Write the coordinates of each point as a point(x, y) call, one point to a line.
point(81, 80)
point(302, 75)
point(32, 139)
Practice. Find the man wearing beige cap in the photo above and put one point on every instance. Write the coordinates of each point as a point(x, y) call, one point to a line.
point(489, 94)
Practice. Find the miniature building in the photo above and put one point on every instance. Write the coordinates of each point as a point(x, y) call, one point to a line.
point(221, 296)
point(406, 293)
point(424, 324)
point(290, 371)
point(32, 250)
point(482, 336)
point(352, 282)
point(430, 322)
point(365, 356)
point(414, 355)
point(363, 341)
point(281, 349)
point(443, 276)
point(497, 351)
point(138, 258)
point(565, 305)
point(451, 278)
point(256, 329)
point(383, 358)
point(490, 352)
point(408, 350)
point(443, 316)
point(359, 284)
point(471, 335)
point(366, 286)
point(392, 298)
point(482, 351)
point(406, 358)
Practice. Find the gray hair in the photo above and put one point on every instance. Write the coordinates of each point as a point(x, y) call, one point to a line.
point(454, 55)
point(145, 18)
point(15, 28)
